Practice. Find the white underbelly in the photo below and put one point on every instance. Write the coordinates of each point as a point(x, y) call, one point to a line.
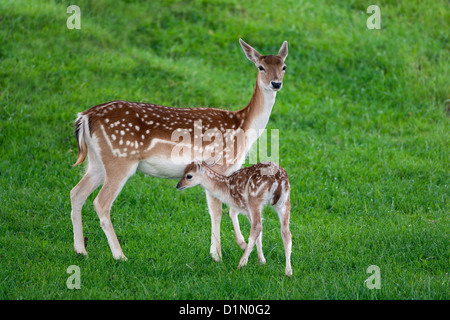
point(173, 167)
point(162, 167)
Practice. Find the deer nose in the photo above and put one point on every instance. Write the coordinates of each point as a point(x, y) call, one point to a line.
point(178, 185)
point(276, 84)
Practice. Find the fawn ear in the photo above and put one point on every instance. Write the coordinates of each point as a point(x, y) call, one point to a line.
point(199, 166)
point(251, 53)
point(211, 162)
point(283, 50)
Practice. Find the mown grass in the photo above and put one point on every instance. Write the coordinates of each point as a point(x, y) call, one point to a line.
point(364, 137)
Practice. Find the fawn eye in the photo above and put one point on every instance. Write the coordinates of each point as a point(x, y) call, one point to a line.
point(261, 68)
point(189, 177)
point(284, 68)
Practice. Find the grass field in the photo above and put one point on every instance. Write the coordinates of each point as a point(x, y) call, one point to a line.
point(363, 119)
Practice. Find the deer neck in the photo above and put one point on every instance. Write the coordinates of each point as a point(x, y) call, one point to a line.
point(257, 113)
point(216, 184)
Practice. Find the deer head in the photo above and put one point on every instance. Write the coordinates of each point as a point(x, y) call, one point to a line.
point(271, 68)
point(192, 175)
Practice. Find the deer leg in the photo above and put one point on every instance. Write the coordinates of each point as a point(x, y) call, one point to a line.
point(215, 210)
point(283, 213)
point(114, 182)
point(261, 258)
point(255, 232)
point(78, 195)
point(237, 230)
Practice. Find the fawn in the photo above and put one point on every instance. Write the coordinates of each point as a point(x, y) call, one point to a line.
point(247, 191)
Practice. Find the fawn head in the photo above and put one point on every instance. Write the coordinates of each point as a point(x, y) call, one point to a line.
point(194, 172)
point(271, 68)
point(192, 175)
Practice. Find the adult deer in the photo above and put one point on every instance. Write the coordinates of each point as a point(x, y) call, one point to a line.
point(121, 137)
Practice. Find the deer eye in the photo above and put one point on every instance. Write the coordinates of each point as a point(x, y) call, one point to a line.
point(189, 177)
point(284, 68)
point(261, 68)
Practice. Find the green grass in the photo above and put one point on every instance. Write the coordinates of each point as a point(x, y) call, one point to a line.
point(364, 136)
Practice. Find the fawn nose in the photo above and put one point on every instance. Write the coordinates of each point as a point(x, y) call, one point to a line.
point(276, 84)
point(178, 186)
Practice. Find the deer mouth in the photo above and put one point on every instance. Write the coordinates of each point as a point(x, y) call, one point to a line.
point(276, 88)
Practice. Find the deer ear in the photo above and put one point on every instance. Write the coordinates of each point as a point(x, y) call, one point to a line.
point(251, 53)
point(197, 164)
point(283, 50)
point(211, 162)
point(200, 166)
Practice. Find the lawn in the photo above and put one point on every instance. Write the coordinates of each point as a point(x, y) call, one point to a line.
point(363, 120)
